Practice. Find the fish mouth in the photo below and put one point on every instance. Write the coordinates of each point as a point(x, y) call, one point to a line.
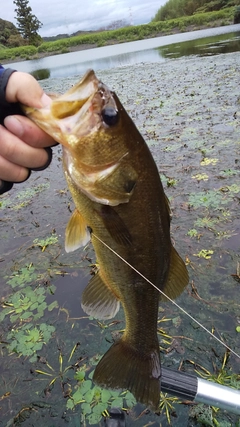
point(79, 111)
point(76, 113)
point(73, 100)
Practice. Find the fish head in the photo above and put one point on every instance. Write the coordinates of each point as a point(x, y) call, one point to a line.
point(85, 120)
point(90, 123)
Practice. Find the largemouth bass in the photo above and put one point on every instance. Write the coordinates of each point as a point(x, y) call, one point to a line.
point(120, 200)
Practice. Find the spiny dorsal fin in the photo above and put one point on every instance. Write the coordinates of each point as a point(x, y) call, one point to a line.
point(98, 300)
point(177, 277)
point(77, 234)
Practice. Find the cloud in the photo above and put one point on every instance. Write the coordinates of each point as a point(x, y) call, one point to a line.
point(61, 17)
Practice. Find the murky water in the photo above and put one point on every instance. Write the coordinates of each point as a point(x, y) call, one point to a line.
point(189, 115)
point(158, 49)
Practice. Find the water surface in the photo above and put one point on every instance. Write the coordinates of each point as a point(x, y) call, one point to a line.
point(188, 113)
point(158, 49)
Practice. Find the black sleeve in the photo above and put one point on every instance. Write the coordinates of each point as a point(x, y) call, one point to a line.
point(7, 108)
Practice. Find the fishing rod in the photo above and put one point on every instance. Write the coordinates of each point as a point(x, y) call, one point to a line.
point(190, 387)
point(187, 386)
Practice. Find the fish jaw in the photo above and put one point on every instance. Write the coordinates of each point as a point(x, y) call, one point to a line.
point(67, 118)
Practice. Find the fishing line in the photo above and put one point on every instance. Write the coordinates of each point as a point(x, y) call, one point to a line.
point(166, 296)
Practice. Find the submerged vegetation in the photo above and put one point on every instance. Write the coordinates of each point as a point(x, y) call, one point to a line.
point(131, 33)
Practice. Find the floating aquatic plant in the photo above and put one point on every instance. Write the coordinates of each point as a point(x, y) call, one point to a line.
point(166, 405)
point(23, 198)
point(201, 177)
point(95, 400)
point(29, 339)
point(23, 276)
point(207, 161)
point(204, 253)
point(207, 199)
point(43, 243)
point(24, 305)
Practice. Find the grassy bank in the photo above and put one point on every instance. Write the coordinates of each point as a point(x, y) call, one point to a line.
point(154, 29)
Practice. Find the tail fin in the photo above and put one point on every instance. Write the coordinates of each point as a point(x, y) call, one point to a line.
point(124, 367)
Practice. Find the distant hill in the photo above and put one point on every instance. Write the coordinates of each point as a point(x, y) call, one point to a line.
point(178, 8)
point(9, 35)
point(65, 36)
point(112, 26)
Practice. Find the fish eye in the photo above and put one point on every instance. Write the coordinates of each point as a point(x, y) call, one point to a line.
point(110, 116)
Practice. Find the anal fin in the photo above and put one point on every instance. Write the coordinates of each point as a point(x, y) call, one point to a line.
point(98, 301)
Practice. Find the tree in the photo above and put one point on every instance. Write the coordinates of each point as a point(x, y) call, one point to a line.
point(28, 24)
point(9, 35)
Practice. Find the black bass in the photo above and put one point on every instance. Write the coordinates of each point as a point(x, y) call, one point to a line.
point(120, 200)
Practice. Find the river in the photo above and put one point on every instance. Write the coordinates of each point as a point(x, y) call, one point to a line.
point(159, 49)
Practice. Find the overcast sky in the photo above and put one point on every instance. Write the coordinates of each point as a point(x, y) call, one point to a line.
point(69, 16)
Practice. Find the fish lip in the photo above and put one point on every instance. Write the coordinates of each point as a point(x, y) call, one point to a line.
point(98, 93)
point(92, 97)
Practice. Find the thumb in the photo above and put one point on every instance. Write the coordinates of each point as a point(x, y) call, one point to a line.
point(23, 88)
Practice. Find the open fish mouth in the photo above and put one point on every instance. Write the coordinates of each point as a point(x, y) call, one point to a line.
point(88, 104)
point(79, 111)
point(77, 97)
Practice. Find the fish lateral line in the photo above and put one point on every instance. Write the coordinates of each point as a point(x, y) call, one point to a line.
point(167, 297)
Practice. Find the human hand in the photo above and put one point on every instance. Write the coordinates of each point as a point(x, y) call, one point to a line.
point(23, 145)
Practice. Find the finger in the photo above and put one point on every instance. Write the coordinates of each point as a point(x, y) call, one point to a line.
point(28, 132)
point(16, 151)
point(11, 172)
point(29, 92)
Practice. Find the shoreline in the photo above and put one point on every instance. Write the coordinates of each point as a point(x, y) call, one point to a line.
point(111, 42)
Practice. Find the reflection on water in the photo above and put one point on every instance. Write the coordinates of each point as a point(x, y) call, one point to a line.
point(213, 45)
point(202, 42)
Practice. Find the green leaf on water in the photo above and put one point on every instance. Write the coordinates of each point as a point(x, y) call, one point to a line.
point(238, 328)
point(204, 253)
point(207, 161)
point(99, 408)
point(77, 396)
point(86, 408)
point(94, 418)
point(80, 375)
point(192, 233)
point(53, 305)
point(26, 315)
point(105, 395)
point(88, 396)
point(117, 403)
point(201, 177)
point(70, 404)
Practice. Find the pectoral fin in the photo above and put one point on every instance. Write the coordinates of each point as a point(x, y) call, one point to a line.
point(98, 300)
point(77, 233)
point(177, 277)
